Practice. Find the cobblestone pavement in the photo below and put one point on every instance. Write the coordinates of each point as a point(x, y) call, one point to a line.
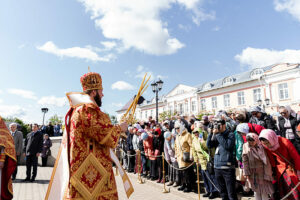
point(146, 191)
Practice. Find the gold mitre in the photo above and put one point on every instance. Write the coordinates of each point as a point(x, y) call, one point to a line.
point(91, 81)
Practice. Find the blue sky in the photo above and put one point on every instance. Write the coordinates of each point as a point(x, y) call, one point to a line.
point(47, 45)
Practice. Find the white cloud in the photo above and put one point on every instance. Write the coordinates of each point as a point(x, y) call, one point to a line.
point(52, 100)
point(1, 101)
point(87, 53)
point(1, 91)
point(199, 13)
point(290, 6)
point(117, 104)
point(162, 77)
point(137, 23)
point(109, 45)
point(143, 70)
point(263, 57)
point(27, 94)
point(12, 111)
point(122, 85)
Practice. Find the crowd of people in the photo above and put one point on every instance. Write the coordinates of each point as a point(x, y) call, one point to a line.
point(242, 151)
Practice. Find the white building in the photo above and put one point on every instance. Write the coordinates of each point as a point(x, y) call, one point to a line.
point(274, 85)
point(181, 99)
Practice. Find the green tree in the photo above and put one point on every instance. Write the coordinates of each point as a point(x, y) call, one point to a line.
point(25, 128)
point(55, 119)
point(166, 114)
point(113, 119)
point(199, 116)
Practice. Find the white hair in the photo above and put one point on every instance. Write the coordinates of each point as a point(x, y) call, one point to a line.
point(13, 124)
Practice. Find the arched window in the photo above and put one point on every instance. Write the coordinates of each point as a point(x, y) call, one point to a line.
point(227, 80)
point(256, 73)
point(207, 86)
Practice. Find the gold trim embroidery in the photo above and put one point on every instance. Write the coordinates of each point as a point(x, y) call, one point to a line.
point(76, 181)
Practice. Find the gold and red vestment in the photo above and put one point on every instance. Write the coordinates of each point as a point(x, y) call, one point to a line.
point(9, 158)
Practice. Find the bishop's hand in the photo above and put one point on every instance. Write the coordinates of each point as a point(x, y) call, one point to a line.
point(124, 126)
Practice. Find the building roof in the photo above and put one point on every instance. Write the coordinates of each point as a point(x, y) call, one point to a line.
point(153, 101)
point(126, 106)
point(233, 79)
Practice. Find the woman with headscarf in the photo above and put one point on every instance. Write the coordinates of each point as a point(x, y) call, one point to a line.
point(158, 142)
point(183, 153)
point(135, 142)
point(169, 152)
point(46, 150)
point(257, 167)
point(287, 124)
point(286, 161)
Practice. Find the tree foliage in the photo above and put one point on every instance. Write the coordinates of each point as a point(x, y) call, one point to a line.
point(113, 118)
point(166, 114)
point(25, 128)
point(55, 119)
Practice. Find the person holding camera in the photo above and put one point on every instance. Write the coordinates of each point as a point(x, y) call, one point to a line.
point(223, 140)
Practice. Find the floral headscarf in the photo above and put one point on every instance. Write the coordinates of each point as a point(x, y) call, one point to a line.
point(271, 136)
point(258, 151)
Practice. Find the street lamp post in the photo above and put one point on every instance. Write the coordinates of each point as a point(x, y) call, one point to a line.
point(44, 110)
point(263, 105)
point(156, 87)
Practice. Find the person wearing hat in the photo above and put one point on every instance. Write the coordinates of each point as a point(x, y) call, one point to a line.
point(91, 135)
point(201, 156)
point(260, 117)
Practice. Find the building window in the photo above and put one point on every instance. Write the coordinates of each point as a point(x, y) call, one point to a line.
point(207, 86)
point(193, 106)
point(226, 100)
point(256, 73)
point(241, 98)
point(256, 94)
point(283, 91)
point(180, 91)
point(171, 109)
point(203, 104)
point(227, 80)
point(181, 108)
point(151, 113)
point(186, 107)
point(175, 109)
point(146, 114)
point(214, 102)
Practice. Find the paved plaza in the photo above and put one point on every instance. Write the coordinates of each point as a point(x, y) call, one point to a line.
point(146, 191)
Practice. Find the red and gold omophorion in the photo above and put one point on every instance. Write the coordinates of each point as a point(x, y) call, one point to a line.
point(8, 156)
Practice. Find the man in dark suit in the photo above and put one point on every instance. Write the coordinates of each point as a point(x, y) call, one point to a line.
point(32, 149)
